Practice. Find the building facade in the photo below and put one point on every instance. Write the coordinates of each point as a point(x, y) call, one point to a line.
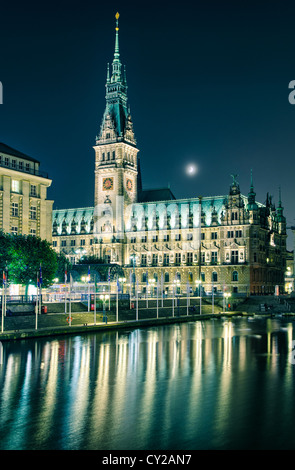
point(24, 207)
point(225, 243)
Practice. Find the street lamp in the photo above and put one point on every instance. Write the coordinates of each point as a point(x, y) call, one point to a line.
point(122, 280)
point(104, 297)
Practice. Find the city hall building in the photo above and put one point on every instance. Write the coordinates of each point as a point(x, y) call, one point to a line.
point(227, 243)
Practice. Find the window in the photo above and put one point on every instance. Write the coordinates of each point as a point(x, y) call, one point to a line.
point(20, 165)
point(13, 163)
point(143, 277)
point(189, 236)
point(103, 156)
point(73, 242)
point(235, 276)
point(14, 230)
point(14, 209)
point(114, 155)
point(166, 238)
point(143, 260)
point(82, 242)
point(108, 155)
point(178, 277)
point(133, 239)
point(108, 135)
point(235, 257)
point(15, 186)
point(239, 233)
point(27, 167)
point(214, 276)
point(213, 235)
point(202, 235)
point(6, 161)
point(234, 216)
point(155, 259)
point(33, 190)
point(143, 239)
point(33, 212)
point(64, 243)
point(166, 259)
point(202, 257)
point(189, 258)
point(177, 259)
point(33, 231)
point(214, 257)
point(230, 234)
point(177, 237)
point(166, 277)
point(203, 277)
point(155, 238)
point(54, 243)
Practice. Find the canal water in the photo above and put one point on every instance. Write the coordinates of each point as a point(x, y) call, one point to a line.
point(214, 384)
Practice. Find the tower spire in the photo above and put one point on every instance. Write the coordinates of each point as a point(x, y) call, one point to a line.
point(116, 75)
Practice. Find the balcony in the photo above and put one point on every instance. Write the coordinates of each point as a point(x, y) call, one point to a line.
point(23, 169)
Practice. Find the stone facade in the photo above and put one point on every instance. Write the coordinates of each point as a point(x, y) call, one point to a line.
point(24, 207)
point(226, 243)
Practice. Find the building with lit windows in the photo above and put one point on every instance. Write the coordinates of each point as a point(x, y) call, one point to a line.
point(227, 243)
point(24, 207)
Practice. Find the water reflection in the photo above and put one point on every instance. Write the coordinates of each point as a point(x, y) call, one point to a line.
point(213, 384)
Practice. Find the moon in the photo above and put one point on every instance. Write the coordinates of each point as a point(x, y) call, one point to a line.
point(191, 169)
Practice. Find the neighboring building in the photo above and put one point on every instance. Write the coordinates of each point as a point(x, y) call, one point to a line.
point(228, 242)
point(289, 274)
point(24, 208)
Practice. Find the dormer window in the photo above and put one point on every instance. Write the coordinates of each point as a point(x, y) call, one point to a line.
point(108, 135)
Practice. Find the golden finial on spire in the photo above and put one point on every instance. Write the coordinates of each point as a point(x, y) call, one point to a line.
point(117, 17)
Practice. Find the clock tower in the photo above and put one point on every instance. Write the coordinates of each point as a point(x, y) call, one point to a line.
point(116, 166)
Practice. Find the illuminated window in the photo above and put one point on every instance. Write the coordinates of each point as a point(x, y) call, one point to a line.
point(15, 186)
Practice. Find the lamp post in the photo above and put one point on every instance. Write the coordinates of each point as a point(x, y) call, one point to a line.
point(104, 297)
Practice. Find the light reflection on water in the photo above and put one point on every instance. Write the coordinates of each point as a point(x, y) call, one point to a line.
point(204, 385)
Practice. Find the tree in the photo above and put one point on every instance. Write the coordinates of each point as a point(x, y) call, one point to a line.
point(23, 255)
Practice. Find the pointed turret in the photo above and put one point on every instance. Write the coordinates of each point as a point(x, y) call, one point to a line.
point(251, 197)
point(116, 102)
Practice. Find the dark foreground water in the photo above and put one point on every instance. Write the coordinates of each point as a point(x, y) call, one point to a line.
point(206, 385)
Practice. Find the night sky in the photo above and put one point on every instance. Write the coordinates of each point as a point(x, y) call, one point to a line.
point(207, 83)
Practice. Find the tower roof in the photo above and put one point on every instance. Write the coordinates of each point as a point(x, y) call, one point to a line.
point(116, 123)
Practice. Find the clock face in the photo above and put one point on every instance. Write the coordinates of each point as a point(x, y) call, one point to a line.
point(129, 185)
point(107, 184)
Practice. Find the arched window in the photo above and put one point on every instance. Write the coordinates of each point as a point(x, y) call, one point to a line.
point(235, 276)
point(166, 278)
point(214, 276)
